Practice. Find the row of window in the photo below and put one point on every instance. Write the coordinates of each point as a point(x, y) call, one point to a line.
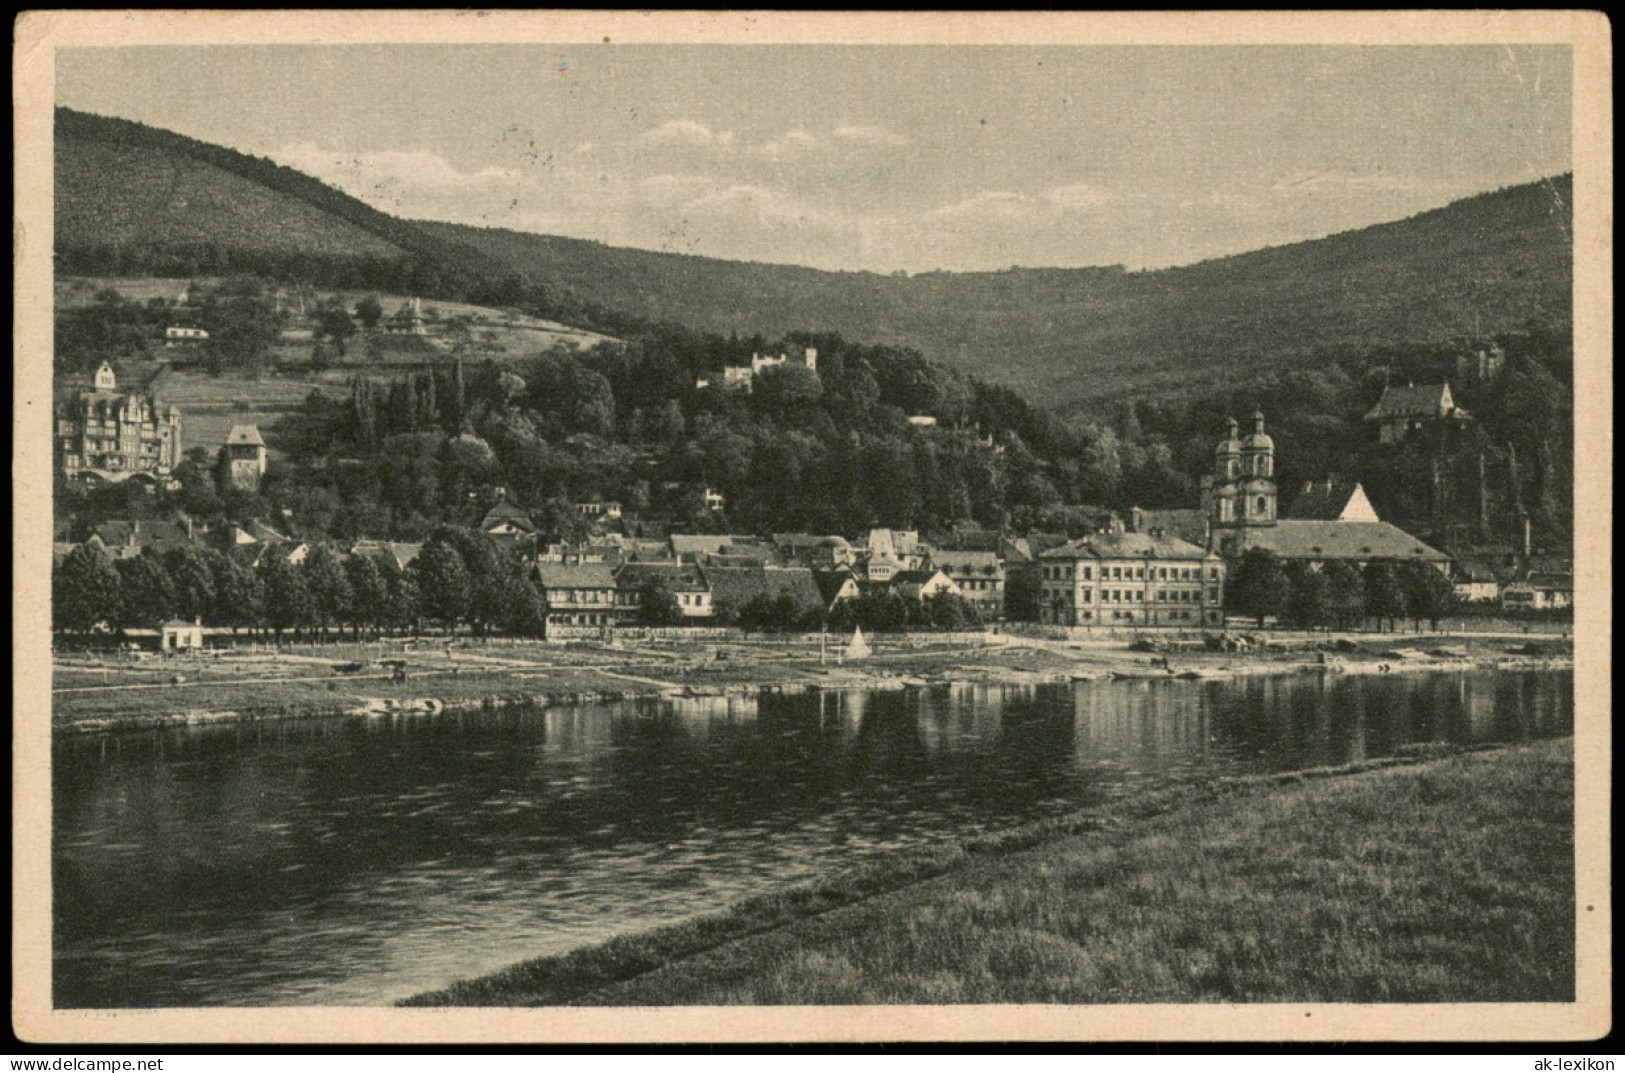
point(1132, 573)
point(1128, 616)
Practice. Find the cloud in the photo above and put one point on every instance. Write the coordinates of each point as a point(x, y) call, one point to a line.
point(1011, 207)
point(688, 132)
point(790, 142)
point(865, 134)
point(398, 174)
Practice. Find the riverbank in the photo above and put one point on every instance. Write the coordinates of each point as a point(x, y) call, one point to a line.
point(1436, 876)
point(97, 694)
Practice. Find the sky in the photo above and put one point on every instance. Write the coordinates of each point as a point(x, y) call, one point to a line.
point(880, 158)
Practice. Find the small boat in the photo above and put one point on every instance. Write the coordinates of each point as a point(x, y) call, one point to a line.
point(1139, 676)
point(1081, 677)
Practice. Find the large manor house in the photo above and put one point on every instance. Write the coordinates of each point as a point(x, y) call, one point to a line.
point(104, 434)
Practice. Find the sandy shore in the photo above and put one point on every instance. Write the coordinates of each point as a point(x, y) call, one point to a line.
point(97, 695)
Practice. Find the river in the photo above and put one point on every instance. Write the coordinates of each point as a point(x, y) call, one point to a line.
point(354, 861)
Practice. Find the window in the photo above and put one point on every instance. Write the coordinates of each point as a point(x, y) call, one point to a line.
point(1261, 500)
point(1088, 573)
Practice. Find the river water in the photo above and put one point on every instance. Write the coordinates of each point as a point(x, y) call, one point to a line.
point(359, 860)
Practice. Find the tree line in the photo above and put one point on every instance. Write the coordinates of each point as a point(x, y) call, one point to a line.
point(1338, 594)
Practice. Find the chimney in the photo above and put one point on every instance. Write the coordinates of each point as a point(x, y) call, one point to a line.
point(1136, 518)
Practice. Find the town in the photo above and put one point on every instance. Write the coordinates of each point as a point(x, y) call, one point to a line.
point(175, 580)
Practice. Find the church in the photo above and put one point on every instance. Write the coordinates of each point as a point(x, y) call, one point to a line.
point(1329, 521)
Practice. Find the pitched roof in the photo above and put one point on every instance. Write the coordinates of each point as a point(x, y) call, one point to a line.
point(951, 562)
point(1330, 501)
point(1341, 540)
point(679, 577)
point(1187, 524)
point(736, 585)
point(1474, 570)
point(916, 577)
point(1412, 400)
point(574, 576)
point(695, 544)
point(141, 534)
point(1112, 545)
point(244, 436)
point(1552, 582)
point(507, 512)
point(831, 582)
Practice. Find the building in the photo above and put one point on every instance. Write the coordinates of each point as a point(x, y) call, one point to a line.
point(577, 594)
point(184, 335)
point(1331, 501)
point(810, 549)
point(685, 581)
point(1483, 365)
point(506, 524)
point(979, 577)
point(1476, 582)
point(105, 435)
point(243, 455)
point(1119, 578)
point(127, 539)
point(922, 420)
point(1239, 495)
point(923, 584)
point(178, 635)
point(733, 587)
point(1539, 592)
point(836, 586)
point(742, 376)
point(1403, 411)
point(1333, 523)
point(408, 320)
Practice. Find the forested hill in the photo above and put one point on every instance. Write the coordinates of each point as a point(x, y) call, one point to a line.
point(134, 200)
point(1489, 264)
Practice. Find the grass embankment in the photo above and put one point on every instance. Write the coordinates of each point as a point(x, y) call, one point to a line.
point(1445, 880)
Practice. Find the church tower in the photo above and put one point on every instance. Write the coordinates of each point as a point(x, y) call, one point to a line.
point(1241, 493)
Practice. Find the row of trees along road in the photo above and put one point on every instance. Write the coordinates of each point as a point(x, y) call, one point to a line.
point(458, 578)
point(1338, 594)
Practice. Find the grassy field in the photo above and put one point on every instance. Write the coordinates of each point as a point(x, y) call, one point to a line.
point(1445, 880)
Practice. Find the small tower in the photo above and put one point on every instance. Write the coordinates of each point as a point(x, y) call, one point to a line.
point(105, 378)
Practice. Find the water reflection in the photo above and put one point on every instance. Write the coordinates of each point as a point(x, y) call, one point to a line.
point(359, 860)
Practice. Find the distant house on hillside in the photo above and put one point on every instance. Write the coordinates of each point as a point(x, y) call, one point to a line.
point(507, 524)
point(104, 435)
point(244, 456)
point(408, 320)
point(1413, 408)
point(185, 335)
